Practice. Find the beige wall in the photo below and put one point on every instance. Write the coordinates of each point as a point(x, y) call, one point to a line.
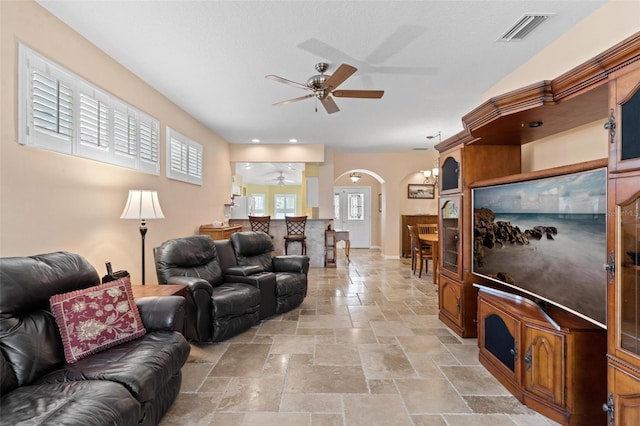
point(394, 171)
point(51, 202)
point(609, 25)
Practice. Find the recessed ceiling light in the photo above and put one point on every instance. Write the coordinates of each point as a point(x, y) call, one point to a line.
point(293, 140)
point(255, 140)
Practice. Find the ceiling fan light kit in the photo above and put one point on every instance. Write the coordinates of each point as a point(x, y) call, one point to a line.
point(322, 86)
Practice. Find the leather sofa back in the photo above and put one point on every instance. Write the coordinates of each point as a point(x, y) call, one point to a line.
point(193, 256)
point(253, 249)
point(29, 338)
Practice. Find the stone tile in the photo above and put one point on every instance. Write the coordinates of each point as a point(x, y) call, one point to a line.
point(424, 396)
point(277, 327)
point(496, 404)
point(428, 420)
point(193, 375)
point(473, 381)
point(355, 335)
point(382, 386)
point(391, 328)
point(320, 419)
point(367, 410)
point(242, 360)
point(337, 355)
point(422, 344)
point(325, 379)
point(312, 403)
point(252, 394)
point(385, 362)
point(478, 420)
point(325, 321)
point(192, 409)
point(276, 419)
point(293, 345)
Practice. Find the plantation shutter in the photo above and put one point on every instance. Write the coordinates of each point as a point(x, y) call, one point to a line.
point(94, 122)
point(184, 158)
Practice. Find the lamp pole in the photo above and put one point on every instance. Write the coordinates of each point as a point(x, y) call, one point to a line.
point(143, 232)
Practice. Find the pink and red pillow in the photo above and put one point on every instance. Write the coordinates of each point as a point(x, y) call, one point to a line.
point(96, 318)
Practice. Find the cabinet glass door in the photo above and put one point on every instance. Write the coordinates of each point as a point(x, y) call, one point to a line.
point(451, 226)
point(629, 296)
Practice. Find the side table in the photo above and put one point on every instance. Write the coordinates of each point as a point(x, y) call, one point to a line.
point(159, 290)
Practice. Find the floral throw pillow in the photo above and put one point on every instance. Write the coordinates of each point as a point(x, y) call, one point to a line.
point(96, 318)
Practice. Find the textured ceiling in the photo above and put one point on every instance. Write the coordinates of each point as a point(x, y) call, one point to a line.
point(433, 59)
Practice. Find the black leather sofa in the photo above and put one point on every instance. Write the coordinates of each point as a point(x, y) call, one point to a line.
point(216, 308)
point(133, 383)
point(248, 256)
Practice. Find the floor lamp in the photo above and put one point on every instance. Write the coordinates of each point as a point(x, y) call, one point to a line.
point(142, 205)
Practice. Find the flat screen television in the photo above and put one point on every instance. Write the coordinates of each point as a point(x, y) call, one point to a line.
point(546, 238)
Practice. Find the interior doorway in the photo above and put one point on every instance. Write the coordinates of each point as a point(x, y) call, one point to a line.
point(352, 211)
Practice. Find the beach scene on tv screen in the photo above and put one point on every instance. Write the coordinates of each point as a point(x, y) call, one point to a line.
point(546, 237)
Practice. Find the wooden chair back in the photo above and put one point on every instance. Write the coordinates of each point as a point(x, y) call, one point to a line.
point(260, 223)
point(295, 225)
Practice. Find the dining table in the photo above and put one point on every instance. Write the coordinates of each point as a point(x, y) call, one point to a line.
point(432, 239)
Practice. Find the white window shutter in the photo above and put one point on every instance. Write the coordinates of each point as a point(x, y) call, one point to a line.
point(184, 158)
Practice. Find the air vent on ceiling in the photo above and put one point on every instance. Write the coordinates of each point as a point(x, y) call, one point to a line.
point(420, 149)
point(524, 26)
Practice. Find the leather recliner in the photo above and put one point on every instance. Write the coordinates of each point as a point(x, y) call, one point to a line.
point(133, 383)
point(252, 256)
point(216, 310)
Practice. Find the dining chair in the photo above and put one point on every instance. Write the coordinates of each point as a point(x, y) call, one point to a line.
point(427, 228)
point(260, 224)
point(295, 232)
point(420, 253)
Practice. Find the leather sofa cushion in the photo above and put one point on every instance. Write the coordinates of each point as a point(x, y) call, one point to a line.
point(143, 365)
point(253, 249)
point(193, 256)
point(235, 299)
point(91, 402)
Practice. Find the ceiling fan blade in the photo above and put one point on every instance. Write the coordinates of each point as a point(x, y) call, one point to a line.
point(343, 72)
point(369, 94)
point(285, 81)
point(330, 105)
point(288, 101)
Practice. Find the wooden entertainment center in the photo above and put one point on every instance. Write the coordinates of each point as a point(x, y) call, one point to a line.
point(557, 363)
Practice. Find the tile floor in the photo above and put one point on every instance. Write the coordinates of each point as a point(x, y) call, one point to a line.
point(365, 348)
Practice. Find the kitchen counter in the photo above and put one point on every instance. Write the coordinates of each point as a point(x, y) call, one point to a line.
point(314, 230)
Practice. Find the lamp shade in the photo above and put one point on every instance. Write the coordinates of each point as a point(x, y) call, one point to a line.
point(142, 205)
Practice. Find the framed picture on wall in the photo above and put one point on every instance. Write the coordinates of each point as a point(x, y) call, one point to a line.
point(421, 191)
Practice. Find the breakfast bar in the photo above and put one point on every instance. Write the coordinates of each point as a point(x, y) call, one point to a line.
point(314, 231)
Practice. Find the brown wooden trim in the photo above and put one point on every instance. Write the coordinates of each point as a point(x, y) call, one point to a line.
point(555, 171)
point(460, 138)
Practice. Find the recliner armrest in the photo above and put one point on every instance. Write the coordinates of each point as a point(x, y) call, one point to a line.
point(162, 313)
point(243, 271)
point(192, 283)
point(291, 263)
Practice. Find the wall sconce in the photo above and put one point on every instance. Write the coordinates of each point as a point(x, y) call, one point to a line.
point(431, 176)
point(355, 177)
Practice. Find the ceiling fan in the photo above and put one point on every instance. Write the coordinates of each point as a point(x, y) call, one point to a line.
point(281, 180)
point(322, 86)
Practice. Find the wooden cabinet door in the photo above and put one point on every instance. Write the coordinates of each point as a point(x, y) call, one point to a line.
point(500, 343)
point(544, 364)
point(624, 119)
point(450, 300)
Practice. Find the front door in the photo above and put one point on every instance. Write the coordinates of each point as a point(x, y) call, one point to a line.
point(352, 212)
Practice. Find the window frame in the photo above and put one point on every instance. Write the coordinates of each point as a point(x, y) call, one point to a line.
point(31, 62)
point(189, 148)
